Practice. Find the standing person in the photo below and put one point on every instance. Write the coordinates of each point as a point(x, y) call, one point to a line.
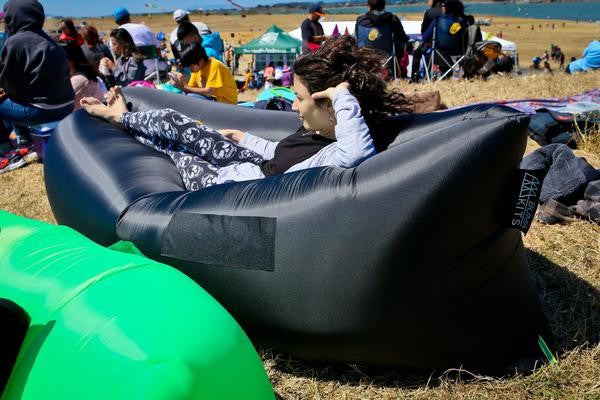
point(34, 78)
point(287, 79)
point(561, 59)
point(93, 48)
point(278, 73)
point(84, 77)
point(381, 30)
point(180, 16)
point(210, 77)
point(69, 33)
point(269, 70)
point(434, 11)
point(312, 30)
point(546, 56)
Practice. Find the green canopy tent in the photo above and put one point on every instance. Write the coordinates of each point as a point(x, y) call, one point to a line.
point(273, 45)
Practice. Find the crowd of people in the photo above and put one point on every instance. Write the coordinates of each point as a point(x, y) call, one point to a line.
point(590, 59)
point(43, 77)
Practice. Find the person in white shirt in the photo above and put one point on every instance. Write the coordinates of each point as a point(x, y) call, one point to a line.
point(180, 16)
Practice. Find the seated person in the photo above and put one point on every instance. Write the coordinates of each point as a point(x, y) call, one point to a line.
point(341, 101)
point(180, 16)
point(210, 77)
point(382, 30)
point(590, 60)
point(187, 33)
point(449, 28)
point(129, 65)
point(34, 78)
point(84, 77)
point(93, 48)
point(68, 32)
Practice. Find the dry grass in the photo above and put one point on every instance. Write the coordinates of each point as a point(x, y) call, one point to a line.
point(565, 260)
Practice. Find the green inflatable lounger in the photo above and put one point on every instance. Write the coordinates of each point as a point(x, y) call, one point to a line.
point(84, 322)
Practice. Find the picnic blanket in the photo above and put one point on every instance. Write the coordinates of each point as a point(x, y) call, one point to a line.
point(530, 106)
point(553, 119)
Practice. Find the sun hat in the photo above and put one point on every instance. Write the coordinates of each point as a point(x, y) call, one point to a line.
point(179, 14)
point(317, 9)
point(120, 13)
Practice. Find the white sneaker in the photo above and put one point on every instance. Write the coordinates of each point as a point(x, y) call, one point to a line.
point(13, 165)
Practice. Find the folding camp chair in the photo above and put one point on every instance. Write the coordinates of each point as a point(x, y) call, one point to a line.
point(151, 53)
point(470, 37)
point(471, 54)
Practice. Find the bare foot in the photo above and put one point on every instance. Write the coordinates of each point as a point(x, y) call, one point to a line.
point(115, 99)
point(111, 113)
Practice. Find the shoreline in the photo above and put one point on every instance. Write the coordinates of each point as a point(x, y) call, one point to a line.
point(587, 11)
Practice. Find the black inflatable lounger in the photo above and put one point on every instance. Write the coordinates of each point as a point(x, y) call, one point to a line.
point(403, 261)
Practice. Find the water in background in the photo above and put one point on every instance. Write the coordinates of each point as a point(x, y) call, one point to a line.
point(571, 11)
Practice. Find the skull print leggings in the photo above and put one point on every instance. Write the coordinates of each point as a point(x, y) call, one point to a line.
point(197, 150)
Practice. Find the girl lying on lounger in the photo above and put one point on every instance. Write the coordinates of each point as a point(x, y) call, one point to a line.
point(340, 98)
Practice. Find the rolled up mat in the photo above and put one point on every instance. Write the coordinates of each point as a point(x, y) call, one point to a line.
point(110, 325)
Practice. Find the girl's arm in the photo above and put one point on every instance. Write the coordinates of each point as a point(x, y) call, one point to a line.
point(354, 143)
point(265, 148)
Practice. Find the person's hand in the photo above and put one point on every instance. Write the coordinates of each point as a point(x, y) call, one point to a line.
point(175, 78)
point(329, 93)
point(3, 94)
point(106, 63)
point(233, 134)
point(180, 81)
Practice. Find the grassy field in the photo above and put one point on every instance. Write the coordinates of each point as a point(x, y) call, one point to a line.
point(565, 259)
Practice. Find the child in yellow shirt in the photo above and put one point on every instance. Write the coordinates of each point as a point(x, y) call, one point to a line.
point(210, 77)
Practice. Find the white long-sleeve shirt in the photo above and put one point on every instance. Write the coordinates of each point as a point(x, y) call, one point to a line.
point(353, 145)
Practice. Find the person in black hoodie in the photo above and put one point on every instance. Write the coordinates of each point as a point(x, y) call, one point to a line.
point(34, 77)
point(382, 30)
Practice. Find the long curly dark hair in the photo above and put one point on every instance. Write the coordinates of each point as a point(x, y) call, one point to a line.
point(339, 60)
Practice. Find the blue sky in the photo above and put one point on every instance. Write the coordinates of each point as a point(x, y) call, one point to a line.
point(83, 8)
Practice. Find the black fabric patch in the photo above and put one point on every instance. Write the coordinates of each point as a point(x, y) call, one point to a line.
point(525, 196)
point(223, 240)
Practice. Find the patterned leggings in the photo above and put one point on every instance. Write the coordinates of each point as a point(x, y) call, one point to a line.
point(197, 150)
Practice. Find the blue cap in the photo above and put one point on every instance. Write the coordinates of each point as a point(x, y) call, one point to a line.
point(316, 8)
point(120, 13)
point(160, 36)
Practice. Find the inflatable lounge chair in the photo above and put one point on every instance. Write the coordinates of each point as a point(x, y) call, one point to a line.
point(404, 260)
point(92, 323)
